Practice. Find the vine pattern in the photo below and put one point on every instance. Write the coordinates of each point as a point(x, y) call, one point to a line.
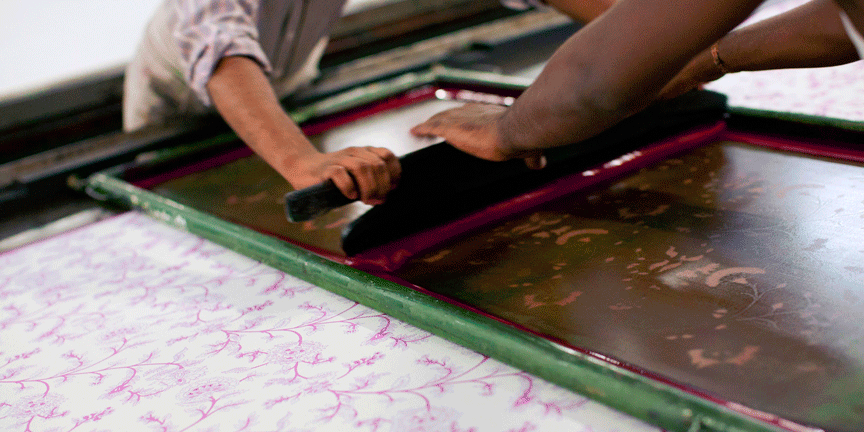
point(128, 324)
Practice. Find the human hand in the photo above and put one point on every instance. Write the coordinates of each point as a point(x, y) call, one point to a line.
point(700, 70)
point(475, 129)
point(364, 173)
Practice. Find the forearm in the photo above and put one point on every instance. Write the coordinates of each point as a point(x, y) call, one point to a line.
point(614, 67)
point(811, 35)
point(243, 96)
point(581, 10)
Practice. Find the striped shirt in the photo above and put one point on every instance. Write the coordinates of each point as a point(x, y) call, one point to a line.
point(186, 39)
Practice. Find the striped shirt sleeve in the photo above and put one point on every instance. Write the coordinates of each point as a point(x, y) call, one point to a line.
point(209, 30)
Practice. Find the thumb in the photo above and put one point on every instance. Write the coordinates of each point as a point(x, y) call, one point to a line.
point(535, 162)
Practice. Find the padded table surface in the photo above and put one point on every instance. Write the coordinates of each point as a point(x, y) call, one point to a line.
point(128, 324)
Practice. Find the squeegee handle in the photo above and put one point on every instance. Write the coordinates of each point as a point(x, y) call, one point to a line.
point(305, 204)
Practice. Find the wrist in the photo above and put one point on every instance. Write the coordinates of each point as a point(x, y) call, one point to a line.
point(295, 162)
point(704, 69)
point(718, 60)
point(288, 153)
point(510, 135)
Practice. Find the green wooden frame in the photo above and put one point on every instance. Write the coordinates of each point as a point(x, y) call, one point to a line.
point(833, 122)
point(650, 400)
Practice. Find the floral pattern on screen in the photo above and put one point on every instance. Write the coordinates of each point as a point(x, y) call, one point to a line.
point(131, 325)
point(731, 269)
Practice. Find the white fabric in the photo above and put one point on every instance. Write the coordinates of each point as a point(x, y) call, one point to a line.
point(130, 325)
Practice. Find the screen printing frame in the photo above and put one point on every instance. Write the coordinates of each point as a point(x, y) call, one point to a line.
point(620, 386)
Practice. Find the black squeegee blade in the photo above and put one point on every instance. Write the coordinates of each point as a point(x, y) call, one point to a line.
point(440, 184)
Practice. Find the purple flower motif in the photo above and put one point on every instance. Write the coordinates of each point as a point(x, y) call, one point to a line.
point(318, 386)
point(425, 420)
point(206, 389)
point(290, 354)
point(37, 406)
point(120, 333)
point(174, 377)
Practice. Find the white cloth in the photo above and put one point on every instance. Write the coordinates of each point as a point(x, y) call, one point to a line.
point(131, 325)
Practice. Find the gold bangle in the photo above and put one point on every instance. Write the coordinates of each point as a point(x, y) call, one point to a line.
point(717, 60)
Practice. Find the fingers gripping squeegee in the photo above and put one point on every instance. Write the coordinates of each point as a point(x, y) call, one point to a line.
point(306, 204)
point(440, 183)
point(434, 171)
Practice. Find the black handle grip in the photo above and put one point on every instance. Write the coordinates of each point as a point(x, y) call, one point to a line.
point(305, 204)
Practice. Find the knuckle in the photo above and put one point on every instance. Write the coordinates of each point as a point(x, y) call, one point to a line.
point(365, 166)
point(351, 164)
point(335, 170)
point(378, 164)
point(351, 152)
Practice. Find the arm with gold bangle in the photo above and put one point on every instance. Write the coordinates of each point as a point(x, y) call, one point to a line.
point(810, 35)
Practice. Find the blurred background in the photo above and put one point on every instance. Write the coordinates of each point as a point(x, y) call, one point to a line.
point(45, 42)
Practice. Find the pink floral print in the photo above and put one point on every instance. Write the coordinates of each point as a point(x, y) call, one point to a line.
point(131, 325)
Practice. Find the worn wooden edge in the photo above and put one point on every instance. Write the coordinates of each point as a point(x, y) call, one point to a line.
point(64, 224)
point(647, 399)
point(390, 20)
point(814, 120)
point(91, 150)
point(436, 75)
